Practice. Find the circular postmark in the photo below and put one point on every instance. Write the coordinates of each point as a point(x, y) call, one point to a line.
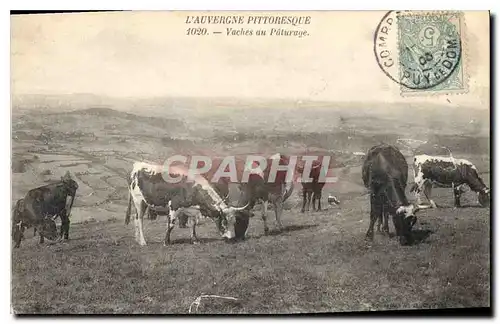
point(418, 51)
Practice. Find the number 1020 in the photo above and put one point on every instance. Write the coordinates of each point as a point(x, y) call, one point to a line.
point(196, 31)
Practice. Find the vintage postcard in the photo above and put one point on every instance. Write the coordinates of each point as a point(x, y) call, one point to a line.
point(250, 162)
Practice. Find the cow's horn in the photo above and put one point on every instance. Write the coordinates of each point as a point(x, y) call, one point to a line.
point(240, 208)
point(419, 207)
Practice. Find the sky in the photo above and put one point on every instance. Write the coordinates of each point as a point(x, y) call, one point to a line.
point(141, 54)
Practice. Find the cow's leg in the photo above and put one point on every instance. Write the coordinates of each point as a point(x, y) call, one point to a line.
point(42, 239)
point(418, 191)
point(380, 219)
point(397, 224)
point(375, 214)
point(137, 205)
point(140, 209)
point(152, 214)
point(171, 218)
point(66, 234)
point(278, 210)
point(318, 197)
point(309, 196)
point(61, 232)
point(385, 228)
point(384, 216)
point(419, 182)
point(194, 238)
point(264, 216)
point(140, 223)
point(65, 217)
point(457, 193)
point(64, 226)
point(304, 196)
point(427, 192)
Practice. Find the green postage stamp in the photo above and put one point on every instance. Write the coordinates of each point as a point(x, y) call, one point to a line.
point(431, 52)
point(423, 51)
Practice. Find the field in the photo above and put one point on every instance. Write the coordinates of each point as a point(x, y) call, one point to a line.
point(320, 263)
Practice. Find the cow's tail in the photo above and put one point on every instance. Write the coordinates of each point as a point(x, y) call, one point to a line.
point(14, 220)
point(288, 193)
point(17, 217)
point(129, 208)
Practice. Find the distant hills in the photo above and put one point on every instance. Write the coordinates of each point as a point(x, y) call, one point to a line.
point(161, 122)
point(270, 115)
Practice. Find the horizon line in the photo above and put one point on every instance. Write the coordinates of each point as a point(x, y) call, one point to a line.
point(420, 104)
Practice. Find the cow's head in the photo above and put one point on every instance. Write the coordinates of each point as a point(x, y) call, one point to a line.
point(69, 184)
point(241, 225)
point(230, 224)
point(484, 197)
point(406, 217)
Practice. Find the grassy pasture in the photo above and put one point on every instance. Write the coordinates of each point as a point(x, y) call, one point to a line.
point(320, 263)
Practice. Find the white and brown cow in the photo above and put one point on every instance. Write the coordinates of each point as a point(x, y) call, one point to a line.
point(447, 172)
point(148, 188)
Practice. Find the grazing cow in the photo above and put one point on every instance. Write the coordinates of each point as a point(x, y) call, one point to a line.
point(385, 174)
point(147, 187)
point(312, 188)
point(447, 172)
point(259, 189)
point(222, 188)
point(41, 206)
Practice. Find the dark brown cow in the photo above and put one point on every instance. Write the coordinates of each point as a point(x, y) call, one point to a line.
point(41, 206)
point(385, 174)
point(313, 188)
point(260, 188)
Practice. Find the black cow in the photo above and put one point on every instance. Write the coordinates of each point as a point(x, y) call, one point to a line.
point(41, 206)
point(385, 174)
point(447, 172)
point(147, 187)
point(260, 188)
point(313, 188)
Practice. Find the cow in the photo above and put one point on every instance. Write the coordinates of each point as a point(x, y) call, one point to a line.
point(313, 188)
point(259, 189)
point(221, 187)
point(447, 172)
point(385, 174)
point(41, 206)
point(147, 187)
